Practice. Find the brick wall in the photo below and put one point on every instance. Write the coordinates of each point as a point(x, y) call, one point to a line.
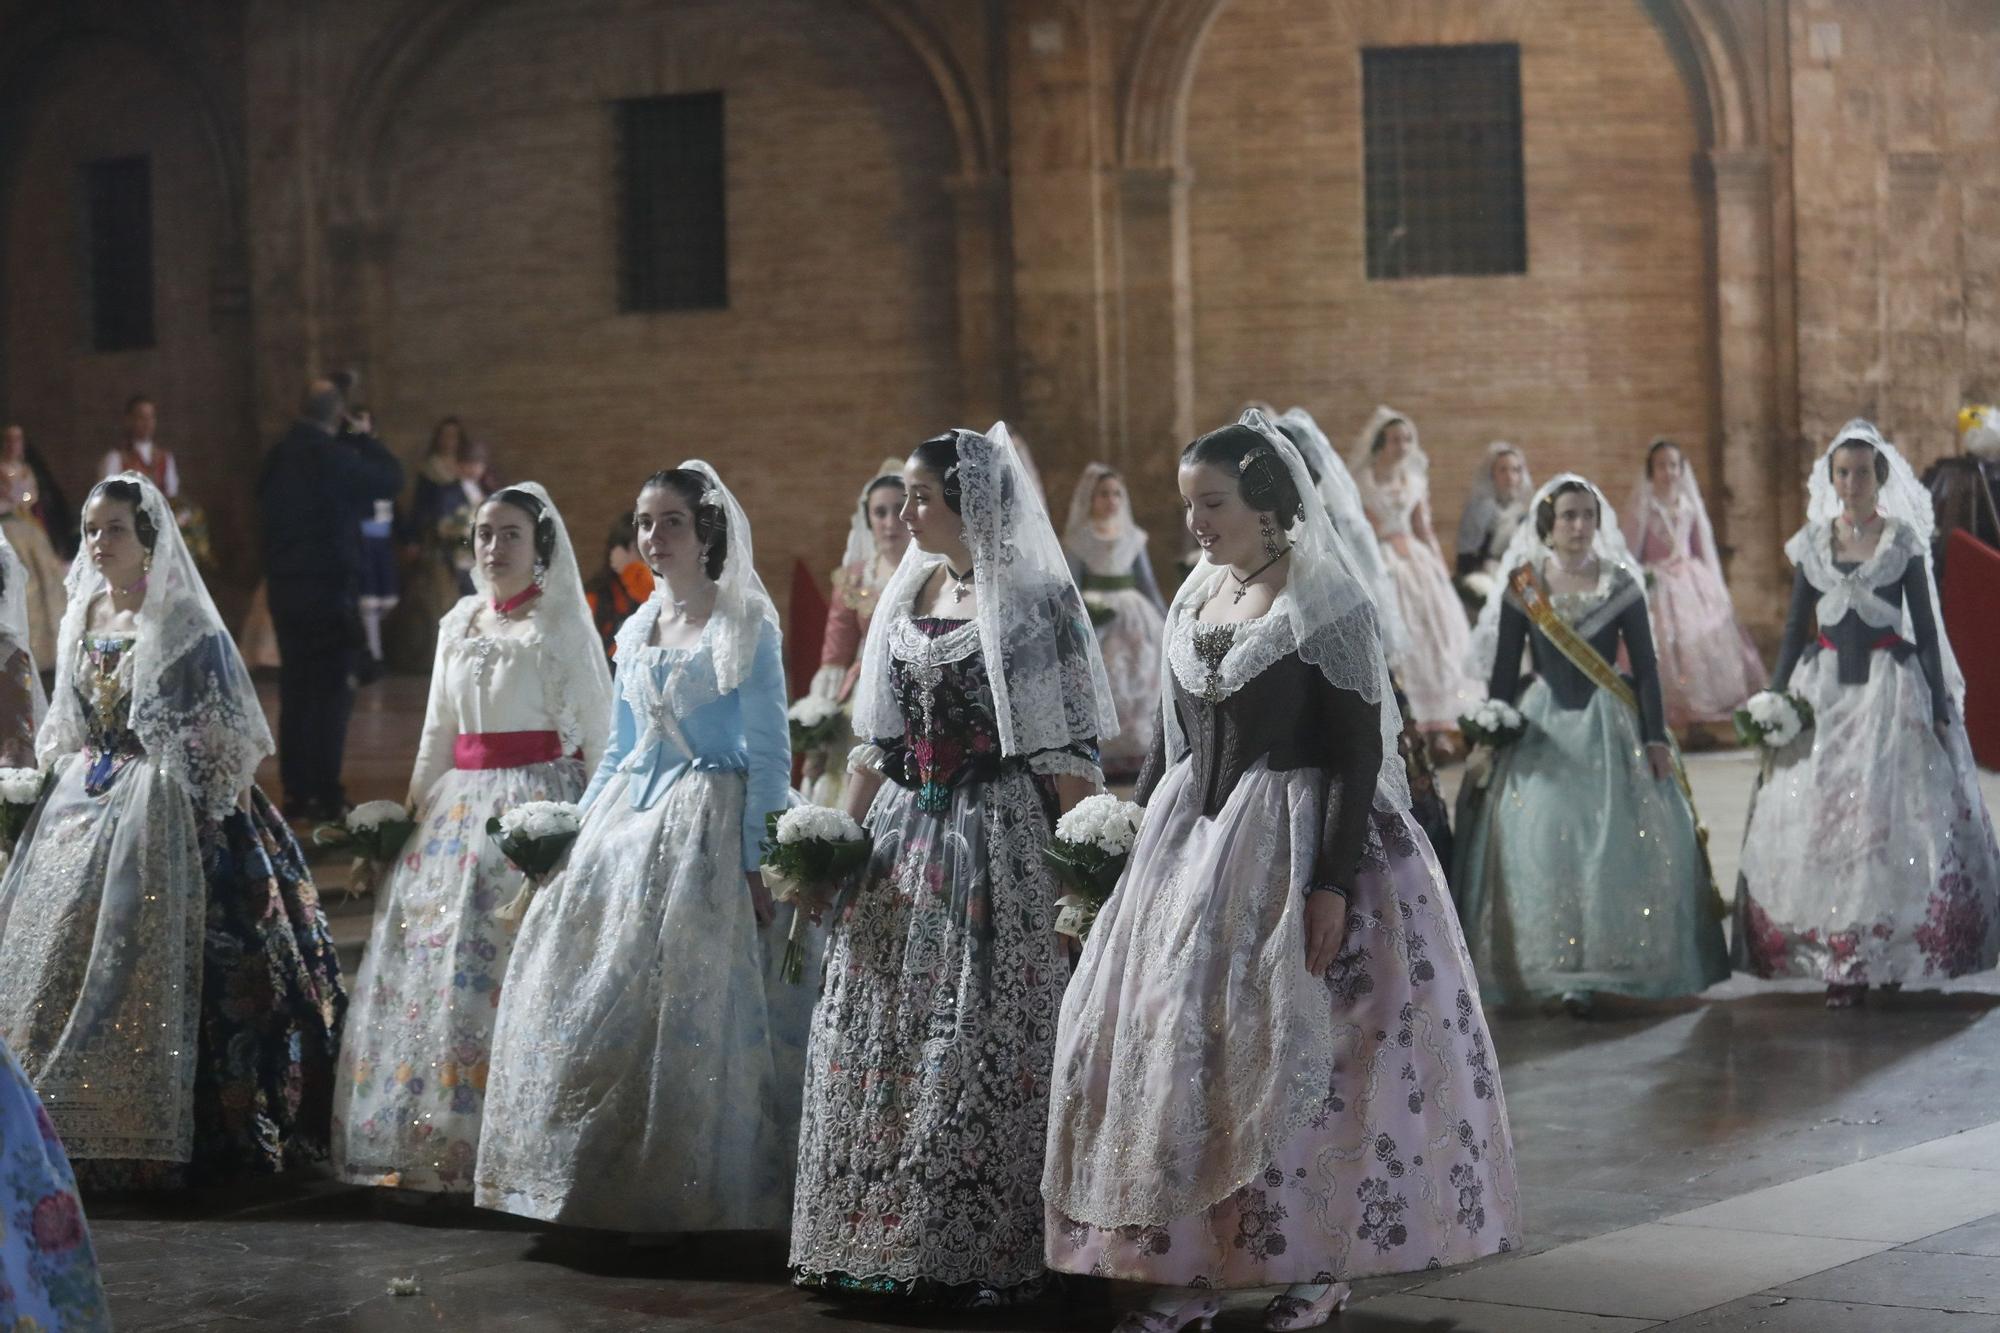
point(1599, 346)
point(837, 346)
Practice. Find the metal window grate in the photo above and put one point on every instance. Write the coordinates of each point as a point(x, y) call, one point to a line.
point(118, 244)
point(1442, 127)
point(672, 227)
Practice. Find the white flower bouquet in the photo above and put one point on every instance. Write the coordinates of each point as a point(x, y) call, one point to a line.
point(1092, 843)
point(1773, 719)
point(375, 832)
point(20, 791)
point(815, 723)
point(805, 846)
point(1480, 584)
point(1494, 724)
point(533, 837)
point(1099, 608)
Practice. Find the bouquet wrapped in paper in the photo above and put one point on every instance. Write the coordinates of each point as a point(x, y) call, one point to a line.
point(815, 723)
point(374, 832)
point(1773, 719)
point(1092, 843)
point(20, 791)
point(533, 837)
point(806, 847)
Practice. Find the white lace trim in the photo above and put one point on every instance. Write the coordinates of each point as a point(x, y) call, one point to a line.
point(1061, 763)
point(1258, 645)
point(1811, 549)
point(866, 758)
point(924, 651)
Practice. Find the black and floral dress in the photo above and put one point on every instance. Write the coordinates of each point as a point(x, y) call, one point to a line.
point(927, 1075)
point(167, 980)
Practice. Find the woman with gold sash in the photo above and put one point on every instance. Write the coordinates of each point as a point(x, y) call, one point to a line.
point(1580, 866)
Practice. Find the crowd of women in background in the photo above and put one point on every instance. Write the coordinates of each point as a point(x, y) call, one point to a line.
point(955, 1102)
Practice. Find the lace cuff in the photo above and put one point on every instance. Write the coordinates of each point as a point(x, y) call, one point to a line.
point(868, 758)
point(1065, 763)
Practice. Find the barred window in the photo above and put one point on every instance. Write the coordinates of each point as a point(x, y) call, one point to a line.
point(118, 252)
point(672, 232)
point(1442, 126)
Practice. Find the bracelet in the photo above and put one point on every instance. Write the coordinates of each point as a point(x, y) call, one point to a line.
point(1334, 889)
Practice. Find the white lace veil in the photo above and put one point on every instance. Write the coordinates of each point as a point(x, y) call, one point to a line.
point(1903, 498)
point(1689, 491)
point(194, 707)
point(861, 549)
point(1527, 547)
point(1116, 552)
point(580, 683)
point(742, 607)
point(1049, 686)
point(1485, 502)
point(1416, 464)
point(1332, 613)
point(1343, 506)
point(14, 634)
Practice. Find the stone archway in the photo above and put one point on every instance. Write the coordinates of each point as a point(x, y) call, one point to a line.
point(1726, 52)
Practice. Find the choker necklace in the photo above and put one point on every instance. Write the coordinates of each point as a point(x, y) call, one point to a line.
point(1578, 568)
point(1855, 531)
point(960, 582)
point(136, 590)
point(518, 600)
point(1243, 584)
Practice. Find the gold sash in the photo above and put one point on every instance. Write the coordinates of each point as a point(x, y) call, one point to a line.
point(1591, 663)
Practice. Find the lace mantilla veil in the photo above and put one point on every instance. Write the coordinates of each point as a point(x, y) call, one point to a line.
point(1049, 686)
point(1484, 498)
point(14, 634)
point(1329, 612)
point(194, 707)
point(1689, 493)
point(576, 681)
point(1117, 551)
point(1608, 546)
point(1903, 498)
point(861, 549)
point(1416, 464)
point(1350, 521)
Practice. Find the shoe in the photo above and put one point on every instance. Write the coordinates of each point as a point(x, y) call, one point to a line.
point(1291, 1311)
point(1577, 1003)
point(1199, 1312)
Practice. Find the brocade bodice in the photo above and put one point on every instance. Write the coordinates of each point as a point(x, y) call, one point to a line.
point(103, 688)
point(1607, 616)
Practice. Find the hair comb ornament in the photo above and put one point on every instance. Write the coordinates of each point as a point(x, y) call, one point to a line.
point(1256, 452)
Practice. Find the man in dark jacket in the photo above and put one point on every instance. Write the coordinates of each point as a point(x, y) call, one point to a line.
point(318, 484)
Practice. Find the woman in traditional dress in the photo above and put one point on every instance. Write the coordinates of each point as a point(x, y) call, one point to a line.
point(519, 707)
point(166, 975)
point(1869, 857)
point(22, 702)
point(1580, 865)
point(1393, 475)
point(876, 540)
point(633, 1081)
point(1496, 506)
point(21, 520)
point(1708, 666)
point(48, 1268)
point(981, 702)
point(1107, 557)
point(1282, 941)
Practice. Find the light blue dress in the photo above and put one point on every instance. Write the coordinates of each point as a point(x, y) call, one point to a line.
point(634, 1081)
point(1576, 869)
point(48, 1270)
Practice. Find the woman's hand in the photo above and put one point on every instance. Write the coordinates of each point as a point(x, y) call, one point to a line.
point(1660, 759)
point(760, 899)
point(1071, 789)
point(1326, 926)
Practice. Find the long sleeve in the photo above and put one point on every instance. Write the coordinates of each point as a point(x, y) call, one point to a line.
point(17, 706)
point(1506, 682)
point(1353, 727)
point(842, 641)
point(1637, 628)
point(768, 739)
point(624, 735)
point(1923, 620)
point(1796, 621)
point(1155, 766)
point(1149, 587)
point(1473, 526)
point(434, 748)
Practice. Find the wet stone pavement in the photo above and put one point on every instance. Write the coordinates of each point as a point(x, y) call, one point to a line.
point(1747, 1161)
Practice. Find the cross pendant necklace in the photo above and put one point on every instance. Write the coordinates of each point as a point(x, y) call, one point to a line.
point(1243, 584)
point(960, 582)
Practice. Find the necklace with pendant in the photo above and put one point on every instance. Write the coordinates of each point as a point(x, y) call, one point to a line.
point(1243, 584)
point(961, 583)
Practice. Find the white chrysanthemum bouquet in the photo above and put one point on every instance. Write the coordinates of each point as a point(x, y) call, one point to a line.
point(533, 837)
point(1092, 843)
point(20, 791)
point(1494, 724)
point(814, 723)
point(804, 847)
point(1773, 719)
point(375, 832)
point(1098, 607)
